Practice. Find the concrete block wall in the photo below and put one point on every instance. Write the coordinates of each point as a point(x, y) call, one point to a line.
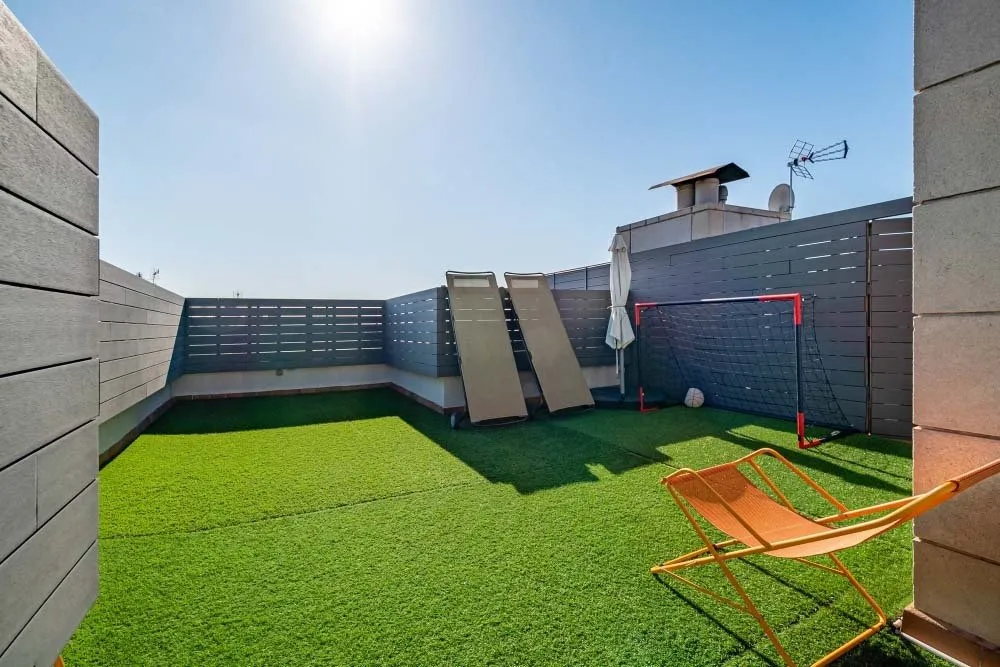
point(956, 302)
point(48, 361)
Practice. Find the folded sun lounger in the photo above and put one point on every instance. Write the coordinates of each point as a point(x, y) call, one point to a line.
point(492, 386)
point(552, 357)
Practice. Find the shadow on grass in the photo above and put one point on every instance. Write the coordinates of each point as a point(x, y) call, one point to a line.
point(529, 456)
point(885, 648)
point(267, 412)
point(890, 446)
point(747, 646)
point(801, 591)
point(817, 459)
point(828, 455)
point(546, 452)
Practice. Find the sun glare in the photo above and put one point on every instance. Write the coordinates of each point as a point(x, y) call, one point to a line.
point(364, 30)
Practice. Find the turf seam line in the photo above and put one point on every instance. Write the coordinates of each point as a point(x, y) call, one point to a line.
point(632, 452)
point(279, 517)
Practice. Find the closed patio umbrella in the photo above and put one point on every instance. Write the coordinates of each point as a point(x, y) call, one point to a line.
point(620, 333)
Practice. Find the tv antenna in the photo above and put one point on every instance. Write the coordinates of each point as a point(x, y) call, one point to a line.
point(804, 153)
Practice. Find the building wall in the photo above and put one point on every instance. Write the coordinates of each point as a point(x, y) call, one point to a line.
point(695, 222)
point(956, 300)
point(48, 360)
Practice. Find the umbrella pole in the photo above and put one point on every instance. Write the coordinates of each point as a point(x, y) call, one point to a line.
point(621, 373)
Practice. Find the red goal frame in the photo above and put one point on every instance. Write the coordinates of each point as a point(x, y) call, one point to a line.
point(796, 300)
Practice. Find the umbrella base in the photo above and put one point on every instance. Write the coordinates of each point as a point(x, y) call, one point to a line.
point(611, 397)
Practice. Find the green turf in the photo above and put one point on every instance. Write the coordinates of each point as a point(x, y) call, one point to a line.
point(357, 529)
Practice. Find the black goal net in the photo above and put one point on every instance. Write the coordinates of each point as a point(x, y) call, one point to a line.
point(751, 354)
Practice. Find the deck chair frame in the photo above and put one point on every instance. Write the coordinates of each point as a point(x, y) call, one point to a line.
point(895, 512)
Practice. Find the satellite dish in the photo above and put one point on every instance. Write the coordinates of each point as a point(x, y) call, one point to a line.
point(782, 199)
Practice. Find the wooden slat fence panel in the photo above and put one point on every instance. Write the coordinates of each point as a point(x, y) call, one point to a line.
point(826, 264)
point(418, 334)
point(584, 313)
point(891, 327)
point(140, 338)
point(259, 334)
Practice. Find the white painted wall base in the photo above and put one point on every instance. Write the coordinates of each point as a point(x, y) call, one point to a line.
point(114, 430)
point(445, 392)
point(254, 382)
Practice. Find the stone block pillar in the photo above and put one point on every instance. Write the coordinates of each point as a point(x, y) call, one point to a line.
point(956, 302)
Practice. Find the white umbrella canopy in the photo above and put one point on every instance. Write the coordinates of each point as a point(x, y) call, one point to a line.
point(620, 334)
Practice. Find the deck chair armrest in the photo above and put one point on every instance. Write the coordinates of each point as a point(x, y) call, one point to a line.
point(827, 496)
point(865, 511)
point(973, 477)
point(905, 509)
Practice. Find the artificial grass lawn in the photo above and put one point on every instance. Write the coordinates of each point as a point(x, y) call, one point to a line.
point(359, 529)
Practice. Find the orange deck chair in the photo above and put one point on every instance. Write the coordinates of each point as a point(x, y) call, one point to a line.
point(727, 499)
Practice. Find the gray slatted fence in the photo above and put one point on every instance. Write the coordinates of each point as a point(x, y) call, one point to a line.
point(826, 259)
point(419, 337)
point(411, 332)
point(891, 320)
point(139, 339)
point(584, 313)
point(418, 334)
point(594, 277)
point(257, 334)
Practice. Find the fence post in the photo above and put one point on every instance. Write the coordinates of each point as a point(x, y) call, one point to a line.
point(868, 327)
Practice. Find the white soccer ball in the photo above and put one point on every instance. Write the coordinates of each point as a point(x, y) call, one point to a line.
point(694, 398)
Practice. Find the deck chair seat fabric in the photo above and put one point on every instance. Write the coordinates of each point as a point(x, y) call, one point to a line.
point(768, 518)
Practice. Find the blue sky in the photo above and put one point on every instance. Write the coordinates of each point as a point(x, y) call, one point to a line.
point(263, 146)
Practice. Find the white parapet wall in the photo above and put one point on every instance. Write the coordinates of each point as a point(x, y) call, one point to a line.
point(123, 427)
point(441, 393)
point(290, 380)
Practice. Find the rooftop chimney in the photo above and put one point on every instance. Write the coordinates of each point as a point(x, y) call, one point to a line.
point(685, 195)
point(703, 187)
point(703, 211)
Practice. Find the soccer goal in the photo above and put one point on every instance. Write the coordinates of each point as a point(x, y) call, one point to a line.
point(750, 354)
